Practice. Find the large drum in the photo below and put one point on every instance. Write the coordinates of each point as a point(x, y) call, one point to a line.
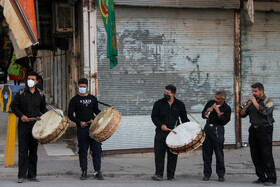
point(51, 127)
point(105, 124)
point(188, 137)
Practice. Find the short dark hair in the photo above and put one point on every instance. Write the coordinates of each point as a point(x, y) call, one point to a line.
point(222, 93)
point(83, 81)
point(171, 87)
point(33, 73)
point(258, 85)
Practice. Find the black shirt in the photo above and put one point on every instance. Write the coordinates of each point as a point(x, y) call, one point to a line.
point(84, 108)
point(262, 116)
point(213, 116)
point(28, 104)
point(165, 114)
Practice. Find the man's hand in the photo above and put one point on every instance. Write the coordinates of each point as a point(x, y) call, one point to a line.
point(208, 111)
point(83, 124)
point(164, 128)
point(253, 99)
point(24, 118)
point(255, 103)
point(215, 107)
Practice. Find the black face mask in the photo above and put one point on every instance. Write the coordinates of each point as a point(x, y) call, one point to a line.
point(167, 97)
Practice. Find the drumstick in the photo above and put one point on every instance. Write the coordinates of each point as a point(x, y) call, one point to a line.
point(172, 131)
point(35, 119)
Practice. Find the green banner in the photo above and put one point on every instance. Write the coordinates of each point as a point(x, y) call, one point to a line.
point(108, 15)
point(14, 69)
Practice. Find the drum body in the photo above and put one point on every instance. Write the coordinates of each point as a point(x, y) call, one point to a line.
point(51, 127)
point(189, 137)
point(105, 124)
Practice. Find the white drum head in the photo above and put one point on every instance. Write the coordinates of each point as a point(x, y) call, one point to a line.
point(102, 120)
point(47, 125)
point(186, 133)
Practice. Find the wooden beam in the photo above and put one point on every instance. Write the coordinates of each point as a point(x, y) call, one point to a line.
point(265, 1)
point(237, 75)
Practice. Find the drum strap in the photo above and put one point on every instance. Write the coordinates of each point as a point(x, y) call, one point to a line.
point(193, 117)
point(179, 119)
point(104, 104)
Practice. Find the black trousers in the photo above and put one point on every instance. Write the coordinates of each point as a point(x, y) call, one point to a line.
point(260, 140)
point(84, 142)
point(160, 149)
point(214, 141)
point(27, 155)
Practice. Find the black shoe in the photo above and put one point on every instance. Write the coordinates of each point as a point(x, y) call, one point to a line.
point(33, 179)
point(259, 181)
point(206, 178)
point(221, 179)
point(98, 175)
point(171, 178)
point(157, 178)
point(269, 183)
point(21, 180)
point(84, 175)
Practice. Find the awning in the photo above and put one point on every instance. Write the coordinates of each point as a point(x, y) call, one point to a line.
point(20, 15)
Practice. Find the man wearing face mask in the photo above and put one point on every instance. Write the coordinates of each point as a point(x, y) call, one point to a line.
point(28, 102)
point(260, 111)
point(217, 114)
point(85, 107)
point(165, 115)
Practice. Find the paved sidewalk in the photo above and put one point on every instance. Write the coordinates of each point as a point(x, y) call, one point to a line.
point(60, 159)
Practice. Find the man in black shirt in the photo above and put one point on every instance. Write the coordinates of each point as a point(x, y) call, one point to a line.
point(85, 107)
point(217, 113)
point(260, 110)
point(165, 115)
point(28, 102)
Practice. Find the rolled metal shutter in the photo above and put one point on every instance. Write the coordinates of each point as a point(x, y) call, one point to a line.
point(190, 48)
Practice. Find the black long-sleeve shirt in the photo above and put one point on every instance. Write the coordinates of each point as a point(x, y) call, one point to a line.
point(28, 104)
point(165, 114)
point(84, 108)
point(213, 116)
point(262, 116)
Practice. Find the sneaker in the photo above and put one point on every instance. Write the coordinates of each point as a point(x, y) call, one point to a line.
point(33, 179)
point(206, 178)
point(84, 175)
point(269, 183)
point(98, 175)
point(171, 178)
point(20, 180)
point(221, 179)
point(259, 181)
point(157, 178)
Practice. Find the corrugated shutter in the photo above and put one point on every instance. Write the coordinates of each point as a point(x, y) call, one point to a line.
point(265, 6)
point(261, 61)
point(223, 4)
point(192, 49)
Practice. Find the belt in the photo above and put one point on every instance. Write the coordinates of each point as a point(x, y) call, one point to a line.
point(212, 125)
point(261, 126)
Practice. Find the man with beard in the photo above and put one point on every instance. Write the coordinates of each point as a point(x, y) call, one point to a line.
point(165, 115)
point(28, 102)
point(260, 111)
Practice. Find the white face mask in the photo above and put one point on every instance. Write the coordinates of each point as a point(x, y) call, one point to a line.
point(31, 83)
point(82, 90)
